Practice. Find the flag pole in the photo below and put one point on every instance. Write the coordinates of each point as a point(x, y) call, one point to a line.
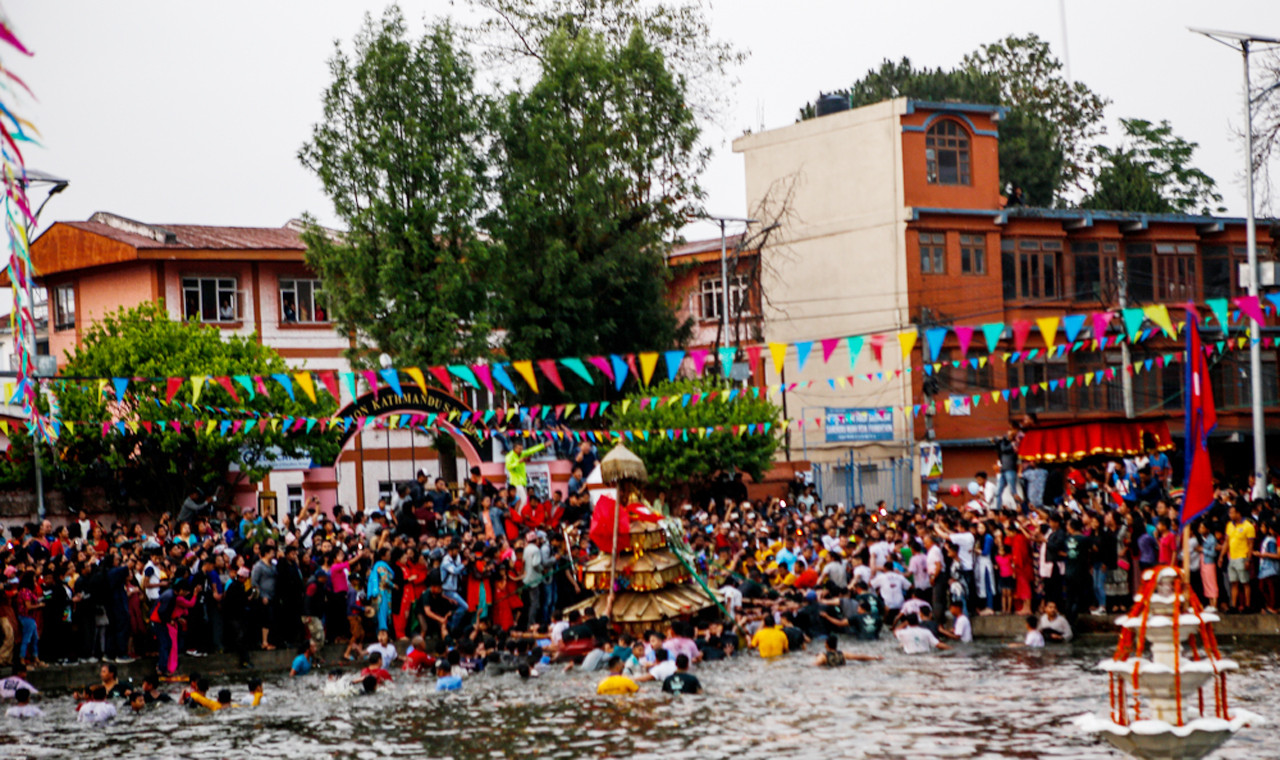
point(613, 559)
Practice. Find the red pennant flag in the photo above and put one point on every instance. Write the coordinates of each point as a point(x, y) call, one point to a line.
point(548, 367)
point(171, 388)
point(1202, 418)
point(1021, 329)
point(877, 348)
point(753, 357)
point(442, 376)
point(329, 379)
point(602, 518)
point(225, 382)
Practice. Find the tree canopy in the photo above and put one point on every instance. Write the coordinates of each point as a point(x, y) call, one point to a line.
point(400, 155)
point(157, 470)
point(694, 458)
point(598, 165)
point(1151, 171)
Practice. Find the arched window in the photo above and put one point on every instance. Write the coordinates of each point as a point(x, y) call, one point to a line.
point(947, 153)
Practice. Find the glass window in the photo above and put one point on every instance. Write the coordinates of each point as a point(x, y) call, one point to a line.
point(1008, 272)
point(1037, 267)
point(302, 301)
point(1139, 273)
point(64, 307)
point(947, 153)
point(712, 297)
point(210, 299)
point(973, 254)
point(933, 253)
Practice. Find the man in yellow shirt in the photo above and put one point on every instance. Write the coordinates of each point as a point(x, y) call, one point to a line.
point(770, 641)
point(616, 683)
point(1240, 535)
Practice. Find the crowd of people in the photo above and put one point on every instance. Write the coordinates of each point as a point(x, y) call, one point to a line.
point(479, 579)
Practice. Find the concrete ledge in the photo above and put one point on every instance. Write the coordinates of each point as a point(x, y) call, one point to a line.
point(1013, 627)
point(220, 668)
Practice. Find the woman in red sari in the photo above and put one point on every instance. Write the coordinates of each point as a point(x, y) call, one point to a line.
point(1022, 569)
point(506, 590)
point(415, 583)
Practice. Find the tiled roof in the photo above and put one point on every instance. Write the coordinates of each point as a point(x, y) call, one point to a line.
point(196, 236)
point(705, 246)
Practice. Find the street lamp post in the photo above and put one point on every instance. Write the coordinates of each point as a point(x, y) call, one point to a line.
point(724, 269)
point(1242, 42)
point(56, 186)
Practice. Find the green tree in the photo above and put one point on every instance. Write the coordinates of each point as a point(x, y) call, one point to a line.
point(155, 471)
point(597, 166)
point(690, 460)
point(1151, 171)
point(1046, 138)
point(399, 153)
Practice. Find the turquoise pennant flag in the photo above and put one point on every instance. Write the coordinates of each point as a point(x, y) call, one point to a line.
point(1219, 308)
point(462, 372)
point(1133, 319)
point(578, 368)
point(727, 354)
point(855, 349)
point(992, 332)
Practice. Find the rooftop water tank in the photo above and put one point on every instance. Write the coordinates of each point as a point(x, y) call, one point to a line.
point(832, 103)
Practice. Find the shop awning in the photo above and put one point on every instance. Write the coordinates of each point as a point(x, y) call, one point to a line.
point(1071, 442)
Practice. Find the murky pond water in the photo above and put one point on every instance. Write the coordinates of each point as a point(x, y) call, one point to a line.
point(982, 702)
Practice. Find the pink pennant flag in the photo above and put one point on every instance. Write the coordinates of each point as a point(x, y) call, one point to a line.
point(1249, 306)
point(486, 376)
point(964, 334)
point(828, 346)
point(261, 386)
point(602, 363)
point(699, 356)
point(371, 378)
point(235, 426)
point(1021, 329)
point(1101, 320)
point(548, 367)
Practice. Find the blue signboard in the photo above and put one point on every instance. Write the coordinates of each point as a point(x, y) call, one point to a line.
point(859, 424)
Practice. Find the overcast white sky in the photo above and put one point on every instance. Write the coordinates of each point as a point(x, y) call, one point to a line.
point(180, 112)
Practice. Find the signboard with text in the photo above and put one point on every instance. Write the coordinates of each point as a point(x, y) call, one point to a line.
point(858, 425)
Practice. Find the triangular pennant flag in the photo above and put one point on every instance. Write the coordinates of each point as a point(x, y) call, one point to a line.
point(602, 364)
point(197, 384)
point(779, 353)
point(648, 363)
point(619, 370)
point(1250, 307)
point(1021, 329)
point(1071, 325)
point(993, 331)
point(964, 335)
point(247, 383)
point(802, 352)
point(855, 348)
point(753, 358)
point(484, 375)
point(284, 380)
point(349, 382)
point(727, 355)
point(305, 383)
point(1133, 319)
point(674, 360)
point(500, 375)
point(934, 337)
point(699, 356)
point(420, 380)
point(392, 378)
point(1159, 314)
point(548, 367)
point(576, 366)
point(907, 341)
point(120, 383)
point(1219, 308)
point(828, 346)
point(877, 348)
point(171, 388)
point(1048, 329)
point(1101, 320)
point(525, 368)
point(225, 383)
point(442, 376)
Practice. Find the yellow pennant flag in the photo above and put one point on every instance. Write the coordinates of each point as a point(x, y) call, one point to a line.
point(626, 404)
point(197, 384)
point(418, 379)
point(1088, 379)
point(995, 395)
point(102, 386)
point(4, 427)
point(526, 371)
point(208, 429)
point(648, 361)
point(982, 361)
point(779, 353)
point(1159, 314)
point(133, 426)
point(307, 384)
point(907, 340)
point(275, 425)
point(1049, 329)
